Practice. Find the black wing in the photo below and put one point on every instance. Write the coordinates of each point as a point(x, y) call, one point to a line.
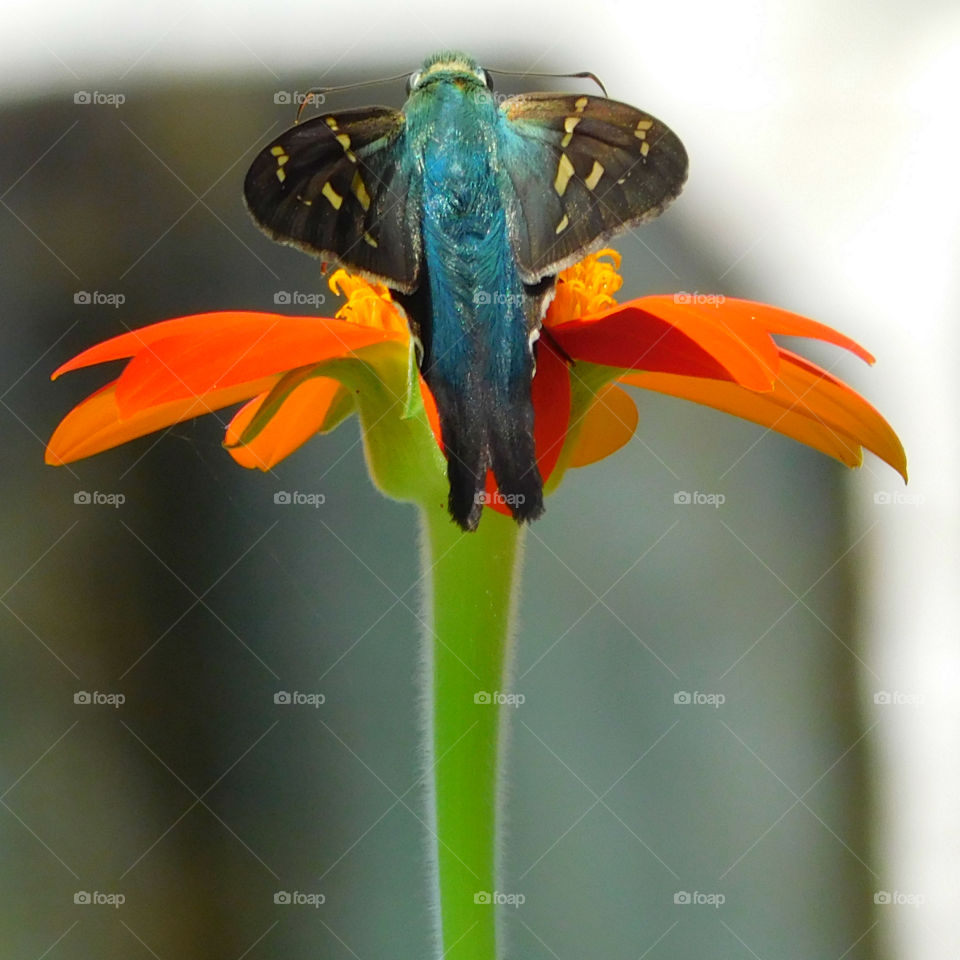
point(341, 187)
point(577, 170)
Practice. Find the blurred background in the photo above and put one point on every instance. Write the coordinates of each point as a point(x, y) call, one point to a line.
point(808, 791)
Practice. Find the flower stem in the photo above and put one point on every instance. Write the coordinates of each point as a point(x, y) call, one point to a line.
point(472, 579)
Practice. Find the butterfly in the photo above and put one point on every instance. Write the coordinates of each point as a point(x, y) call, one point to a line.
point(467, 207)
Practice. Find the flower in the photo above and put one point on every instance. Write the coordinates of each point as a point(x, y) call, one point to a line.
point(303, 375)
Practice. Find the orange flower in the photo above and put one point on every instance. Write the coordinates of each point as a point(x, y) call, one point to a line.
point(294, 373)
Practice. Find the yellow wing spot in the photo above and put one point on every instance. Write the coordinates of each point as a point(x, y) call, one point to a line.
point(281, 176)
point(644, 148)
point(332, 195)
point(563, 224)
point(277, 151)
point(344, 140)
point(282, 160)
point(564, 173)
point(642, 127)
point(359, 189)
point(370, 240)
point(595, 174)
point(568, 126)
point(331, 122)
point(581, 104)
point(351, 156)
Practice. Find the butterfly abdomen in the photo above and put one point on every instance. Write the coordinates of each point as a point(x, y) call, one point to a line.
point(475, 322)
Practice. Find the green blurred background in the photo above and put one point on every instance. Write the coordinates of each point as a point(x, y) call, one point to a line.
point(199, 798)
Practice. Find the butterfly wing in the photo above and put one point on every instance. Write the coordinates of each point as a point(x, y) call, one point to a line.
point(342, 187)
point(577, 170)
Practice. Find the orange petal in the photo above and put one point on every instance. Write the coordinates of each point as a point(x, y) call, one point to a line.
point(607, 426)
point(131, 343)
point(298, 419)
point(192, 364)
point(95, 424)
point(806, 403)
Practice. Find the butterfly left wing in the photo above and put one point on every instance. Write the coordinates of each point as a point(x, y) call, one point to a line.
point(341, 187)
point(578, 170)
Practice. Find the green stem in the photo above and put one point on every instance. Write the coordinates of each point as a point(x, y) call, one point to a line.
point(472, 578)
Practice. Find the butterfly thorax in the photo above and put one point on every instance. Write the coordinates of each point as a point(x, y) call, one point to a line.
point(476, 294)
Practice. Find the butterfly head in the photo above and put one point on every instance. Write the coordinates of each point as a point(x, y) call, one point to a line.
point(449, 67)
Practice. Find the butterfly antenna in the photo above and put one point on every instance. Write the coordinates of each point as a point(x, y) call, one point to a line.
point(317, 95)
point(583, 75)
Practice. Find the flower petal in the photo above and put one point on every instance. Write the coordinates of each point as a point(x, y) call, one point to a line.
point(96, 425)
point(608, 425)
point(689, 342)
point(301, 415)
point(216, 356)
point(131, 343)
point(806, 403)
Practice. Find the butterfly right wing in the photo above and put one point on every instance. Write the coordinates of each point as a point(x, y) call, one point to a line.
point(343, 187)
